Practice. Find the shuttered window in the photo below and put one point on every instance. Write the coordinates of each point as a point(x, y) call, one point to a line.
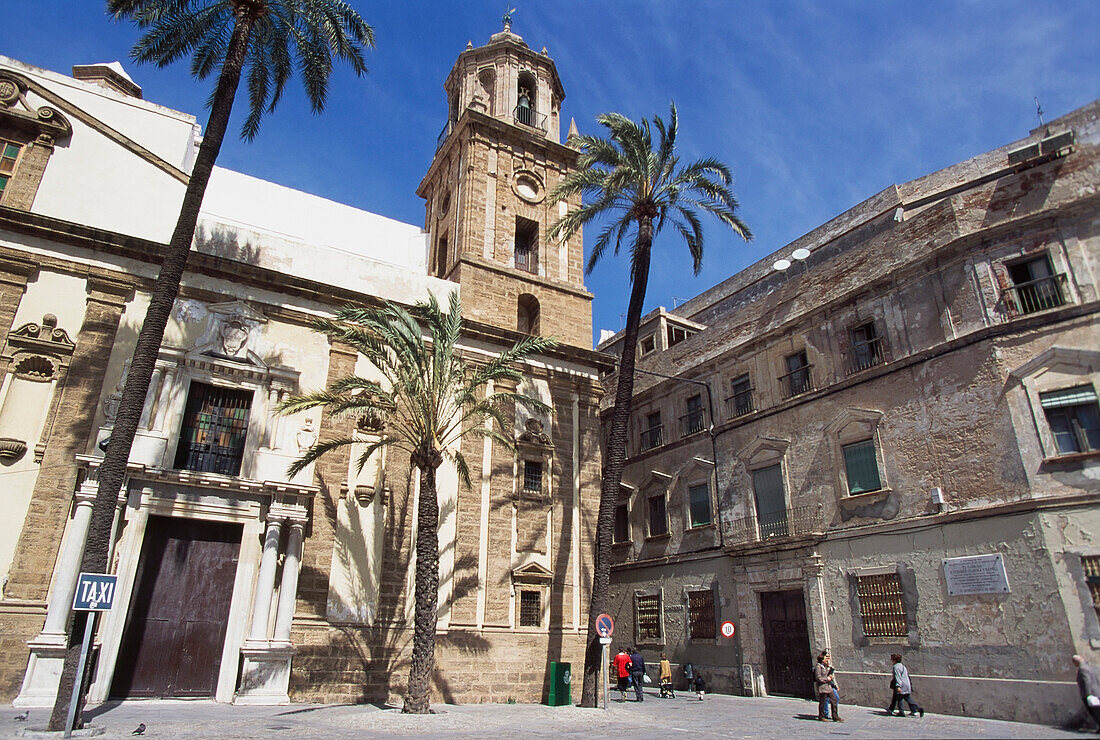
point(1091, 565)
point(9, 155)
point(881, 606)
point(861, 467)
point(658, 519)
point(701, 615)
point(699, 502)
point(1074, 418)
point(530, 609)
point(215, 424)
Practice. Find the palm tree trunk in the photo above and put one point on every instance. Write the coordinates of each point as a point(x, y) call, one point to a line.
point(418, 698)
point(113, 470)
point(613, 464)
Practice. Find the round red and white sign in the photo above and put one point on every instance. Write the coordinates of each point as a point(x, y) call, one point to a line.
point(727, 629)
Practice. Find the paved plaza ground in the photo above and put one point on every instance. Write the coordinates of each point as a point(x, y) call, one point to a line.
point(716, 716)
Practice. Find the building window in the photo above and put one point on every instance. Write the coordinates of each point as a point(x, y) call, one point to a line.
point(740, 403)
point(651, 437)
point(532, 476)
point(528, 315)
point(215, 424)
point(530, 609)
point(658, 517)
point(861, 467)
point(797, 379)
point(866, 347)
point(699, 503)
point(1035, 286)
point(1074, 418)
point(527, 245)
point(441, 257)
point(701, 615)
point(648, 345)
point(9, 155)
point(677, 334)
point(647, 617)
point(694, 420)
point(881, 606)
point(771, 501)
point(1091, 565)
point(622, 524)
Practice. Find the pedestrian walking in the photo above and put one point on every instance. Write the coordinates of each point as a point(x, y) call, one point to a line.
point(823, 683)
point(700, 686)
point(666, 678)
point(622, 671)
point(1089, 684)
point(836, 687)
point(903, 687)
point(637, 673)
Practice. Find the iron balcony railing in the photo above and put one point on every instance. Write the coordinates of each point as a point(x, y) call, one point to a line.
point(1037, 295)
point(447, 129)
point(797, 381)
point(794, 522)
point(692, 422)
point(740, 404)
point(651, 438)
point(528, 117)
point(866, 354)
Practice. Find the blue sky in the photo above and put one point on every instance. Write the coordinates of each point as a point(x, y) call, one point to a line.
point(814, 105)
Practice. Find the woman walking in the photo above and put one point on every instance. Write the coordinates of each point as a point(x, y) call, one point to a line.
point(903, 687)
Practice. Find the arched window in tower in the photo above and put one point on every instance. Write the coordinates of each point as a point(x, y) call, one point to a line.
point(441, 257)
point(527, 245)
point(527, 320)
point(486, 80)
point(526, 97)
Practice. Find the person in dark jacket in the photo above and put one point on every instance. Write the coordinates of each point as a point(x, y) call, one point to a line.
point(1089, 684)
point(637, 673)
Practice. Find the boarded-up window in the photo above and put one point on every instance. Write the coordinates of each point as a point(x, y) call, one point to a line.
point(881, 606)
point(861, 467)
point(658, 519)
point(647, 617)
point(701, 614)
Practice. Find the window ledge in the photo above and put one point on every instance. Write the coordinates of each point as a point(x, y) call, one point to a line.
point(623, 543)
point(862, 499)
point(1071, 459)
point(697, 527)
point(665, 536)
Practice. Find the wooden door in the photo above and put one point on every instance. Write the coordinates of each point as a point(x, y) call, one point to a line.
point(175, 631)
point(786, 644)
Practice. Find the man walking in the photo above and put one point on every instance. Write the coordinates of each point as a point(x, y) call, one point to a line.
point(637, 673)
point(1089, 684)
point(903, 687)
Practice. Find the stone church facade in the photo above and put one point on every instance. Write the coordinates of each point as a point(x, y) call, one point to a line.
point(882, 438)
point(237, 582)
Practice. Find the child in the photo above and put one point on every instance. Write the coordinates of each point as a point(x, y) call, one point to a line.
point(700, 686)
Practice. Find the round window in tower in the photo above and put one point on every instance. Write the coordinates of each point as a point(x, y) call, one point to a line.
point(527, 185)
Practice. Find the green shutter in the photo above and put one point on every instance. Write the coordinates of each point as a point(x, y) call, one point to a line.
point(861, 466)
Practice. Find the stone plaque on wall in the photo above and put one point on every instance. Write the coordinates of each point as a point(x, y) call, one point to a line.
point(978, 574)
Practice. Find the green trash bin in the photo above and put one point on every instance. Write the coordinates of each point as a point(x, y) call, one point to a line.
point(560, 675)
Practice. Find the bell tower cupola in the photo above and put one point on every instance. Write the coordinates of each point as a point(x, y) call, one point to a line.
point(487, 210)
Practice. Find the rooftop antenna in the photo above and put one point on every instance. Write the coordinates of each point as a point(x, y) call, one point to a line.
point(1039, 112)
point(677, 301)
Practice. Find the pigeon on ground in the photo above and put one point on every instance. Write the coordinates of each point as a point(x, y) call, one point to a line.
point(139, 730)
point(22, 717)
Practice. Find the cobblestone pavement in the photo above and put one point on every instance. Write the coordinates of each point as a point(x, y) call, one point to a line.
point(716, 716)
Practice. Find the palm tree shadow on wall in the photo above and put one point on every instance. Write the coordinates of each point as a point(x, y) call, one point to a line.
point(224, 241)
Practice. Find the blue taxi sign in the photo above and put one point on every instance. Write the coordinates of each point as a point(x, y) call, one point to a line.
point(95, 592)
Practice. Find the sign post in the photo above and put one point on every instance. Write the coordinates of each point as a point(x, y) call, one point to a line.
point(95, 592)
point(605, 627)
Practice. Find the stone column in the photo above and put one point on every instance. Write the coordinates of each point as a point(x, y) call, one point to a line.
point(68, 568)
point(272, 431)
point(164, 401)
point(150, 396)
point(288, 589)
point(78, 399)
point(265, 582)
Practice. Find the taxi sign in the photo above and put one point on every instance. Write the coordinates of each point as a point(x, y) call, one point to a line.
point(605, 625)
point(95, 592)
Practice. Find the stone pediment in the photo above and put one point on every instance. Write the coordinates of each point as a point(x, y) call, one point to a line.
point(1063, 359)
point(532, 573)
point(763, 449)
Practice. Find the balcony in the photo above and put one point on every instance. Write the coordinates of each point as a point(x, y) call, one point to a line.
point(866, 354)
point(650, 438)
point(692, 422)
point(797, 381)
point(528, 117)
point(1036, 295)
point(740, 404)
point(795, 522)
point(447, 129)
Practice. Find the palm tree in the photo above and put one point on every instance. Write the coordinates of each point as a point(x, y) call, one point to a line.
point(642, 187)
point(430, 399)
point(272, 39)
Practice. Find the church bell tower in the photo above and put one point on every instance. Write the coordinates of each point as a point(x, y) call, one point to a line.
point(486, 192)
